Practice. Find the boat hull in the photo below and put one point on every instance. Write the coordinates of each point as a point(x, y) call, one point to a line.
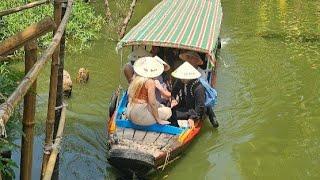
point(139, 153)
point(131, 162)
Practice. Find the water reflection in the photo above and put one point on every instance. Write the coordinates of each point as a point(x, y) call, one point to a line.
point(278, 88)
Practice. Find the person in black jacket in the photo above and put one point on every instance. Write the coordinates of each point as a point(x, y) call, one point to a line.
point(196, 61)
point(188, 95)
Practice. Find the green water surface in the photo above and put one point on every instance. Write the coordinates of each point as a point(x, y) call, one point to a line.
point(268, 107)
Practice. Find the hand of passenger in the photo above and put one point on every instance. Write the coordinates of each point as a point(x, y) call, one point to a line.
point(162, 122)
point(191, 123)
point(174, 103)
point(157, 83)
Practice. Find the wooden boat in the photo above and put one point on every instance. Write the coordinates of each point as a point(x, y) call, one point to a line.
point(183, 24)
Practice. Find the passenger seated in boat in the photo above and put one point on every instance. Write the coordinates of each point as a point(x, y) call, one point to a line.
point(195, 60)
point(163, 95)
point(133, 56)
point(157, 51)
point(188, 95)
point(143, 108)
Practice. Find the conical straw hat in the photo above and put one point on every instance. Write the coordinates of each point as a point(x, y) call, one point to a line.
point(148, 67)
point(166, 65)
point(137, 53)
point(192, 57)
point(186, 71)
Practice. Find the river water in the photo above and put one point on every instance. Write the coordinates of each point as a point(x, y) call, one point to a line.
point(268, 108)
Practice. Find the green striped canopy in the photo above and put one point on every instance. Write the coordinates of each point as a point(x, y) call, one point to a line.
point(185, 24)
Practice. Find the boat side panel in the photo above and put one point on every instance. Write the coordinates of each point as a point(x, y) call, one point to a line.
point(175, 147)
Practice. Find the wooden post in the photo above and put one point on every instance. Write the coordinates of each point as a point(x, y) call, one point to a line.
point(126, 21)
point(28, 115)
point(27, 6)
point(55, 149)
point(34, 31)
point(52, 92)
point(59, 98)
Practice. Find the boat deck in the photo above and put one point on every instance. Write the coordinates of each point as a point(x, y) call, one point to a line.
point(145, 141)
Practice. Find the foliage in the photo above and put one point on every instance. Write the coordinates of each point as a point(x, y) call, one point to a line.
point(8, 82)
point(84, 25)
point(119, 11)
point(82, 28)
point(7, 164)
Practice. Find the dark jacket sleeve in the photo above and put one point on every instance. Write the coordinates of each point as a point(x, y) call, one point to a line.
point(176, 88)
point(200, 98)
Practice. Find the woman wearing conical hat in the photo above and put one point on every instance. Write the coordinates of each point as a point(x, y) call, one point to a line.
point(137, 53)
point(188, 95)
point(143, 108)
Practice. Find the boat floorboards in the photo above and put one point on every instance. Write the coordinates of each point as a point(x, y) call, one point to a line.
point(120, 132)
point(151, 137)
point(163, 139)
point(128, 133)
point(148, 142)
point(139, 135)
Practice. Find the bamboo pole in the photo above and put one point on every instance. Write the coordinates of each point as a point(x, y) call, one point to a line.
point(7, 107)
point(107, 10)
point(59, 98)
point(126, 21)
point(27, 6)
point(34, 31)
point(52, 91)
point(55, 147)
point(28, 115)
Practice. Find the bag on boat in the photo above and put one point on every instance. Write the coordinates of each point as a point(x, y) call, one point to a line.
point(211, 93)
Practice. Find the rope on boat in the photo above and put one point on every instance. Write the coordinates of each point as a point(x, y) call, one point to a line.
point(166, 161)
point(169, 162)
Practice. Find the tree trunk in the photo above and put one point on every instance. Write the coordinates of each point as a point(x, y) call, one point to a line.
point(126, 21)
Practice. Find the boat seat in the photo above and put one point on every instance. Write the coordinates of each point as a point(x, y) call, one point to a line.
point(168, 129)
point(126, 123)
